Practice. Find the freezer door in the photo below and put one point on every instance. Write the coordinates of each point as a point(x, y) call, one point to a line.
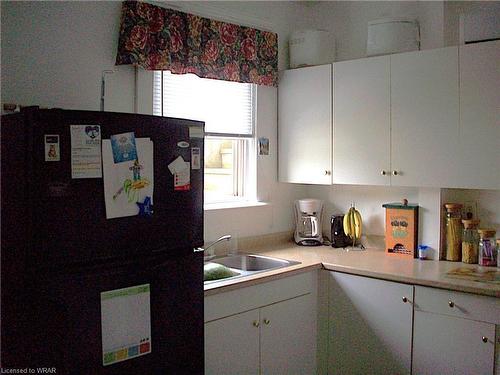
point(62, 319)
point(68, 220)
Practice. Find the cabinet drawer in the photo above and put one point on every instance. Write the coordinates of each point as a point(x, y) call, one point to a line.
point(251, 297)
point(463, 305)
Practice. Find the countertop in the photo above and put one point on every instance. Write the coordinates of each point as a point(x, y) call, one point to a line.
point(371, 262)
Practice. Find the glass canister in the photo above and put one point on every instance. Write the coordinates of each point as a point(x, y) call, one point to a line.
point(487, 248)
point(470, 241)
point(453, 232)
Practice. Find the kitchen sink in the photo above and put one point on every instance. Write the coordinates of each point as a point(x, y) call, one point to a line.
point(249, 264)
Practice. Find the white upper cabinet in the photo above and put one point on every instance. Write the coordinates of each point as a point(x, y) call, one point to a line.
point(305, 125)
point(480, 115)
point(362, 115)
point(422, 119)
point(425, 118)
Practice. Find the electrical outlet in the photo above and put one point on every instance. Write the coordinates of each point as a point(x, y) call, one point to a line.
point(469, 210)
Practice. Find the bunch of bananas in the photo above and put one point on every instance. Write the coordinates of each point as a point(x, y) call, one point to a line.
point(353, 224)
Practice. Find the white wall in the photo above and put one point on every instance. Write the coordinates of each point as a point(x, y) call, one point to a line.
point(453, 10)
point(53, 53)
point(367, 199)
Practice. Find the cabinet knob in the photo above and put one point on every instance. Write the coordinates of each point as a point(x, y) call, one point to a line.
point(485, 339)
point(383, 173)
point(328, 173)
point(395, 173)
point(267, 321)
point(451, 304)
point(405, 299)
point(255, 323)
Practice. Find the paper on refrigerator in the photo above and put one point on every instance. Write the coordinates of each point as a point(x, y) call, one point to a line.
point(125, 323)
point(181, 171)
point(127, 183)
point(86, 151)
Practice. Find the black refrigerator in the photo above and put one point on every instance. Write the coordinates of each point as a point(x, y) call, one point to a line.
point(62, 257)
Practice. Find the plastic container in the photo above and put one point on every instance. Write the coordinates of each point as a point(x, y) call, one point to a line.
point(453, 232)
point(422, 252)
point(487, 247)
point(311, 47)
point(392, 35)
point(470, 241)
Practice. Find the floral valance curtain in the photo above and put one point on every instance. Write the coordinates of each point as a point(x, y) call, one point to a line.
point(157, 38)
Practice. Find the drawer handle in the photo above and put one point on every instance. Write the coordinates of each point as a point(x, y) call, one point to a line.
point(255, 323)
point(485, 339)
point(451, 304)
point(405, 299)
point(267, 321)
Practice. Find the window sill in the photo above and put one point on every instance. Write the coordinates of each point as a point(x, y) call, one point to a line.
point(237, 204)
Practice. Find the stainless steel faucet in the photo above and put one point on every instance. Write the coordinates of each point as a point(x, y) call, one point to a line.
point(226, 237)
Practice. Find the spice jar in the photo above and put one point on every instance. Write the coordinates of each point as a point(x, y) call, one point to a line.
point(487, 250)
point(453, 231)
point(470, 241)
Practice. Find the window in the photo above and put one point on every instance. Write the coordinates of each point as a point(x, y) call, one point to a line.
point(227, 108)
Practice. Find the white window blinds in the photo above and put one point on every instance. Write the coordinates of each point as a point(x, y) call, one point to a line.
point(225, 107)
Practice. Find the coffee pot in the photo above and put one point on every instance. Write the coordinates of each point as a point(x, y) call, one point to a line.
point(308, 223)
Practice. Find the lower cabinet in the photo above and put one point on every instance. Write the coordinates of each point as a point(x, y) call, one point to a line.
point(276, 336)
point(370, 325)
point(288, 337)
point(454, 333)
point(232, 344)
point(384, 327)
point(448, 345)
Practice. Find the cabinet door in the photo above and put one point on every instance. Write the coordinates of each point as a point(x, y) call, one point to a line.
point(362, 107)
point(425, 118)
point(448, 345)
point(288, 337)
point(305, 125)
point(232, 345)
point(480, 115)
point(370, 326)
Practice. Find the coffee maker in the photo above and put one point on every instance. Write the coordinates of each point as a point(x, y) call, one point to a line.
point(308, 223)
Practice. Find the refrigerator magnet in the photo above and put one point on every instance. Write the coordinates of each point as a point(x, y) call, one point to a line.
point(123, 146)
point(195, 158)
point(52, 151)
point(145, 208)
